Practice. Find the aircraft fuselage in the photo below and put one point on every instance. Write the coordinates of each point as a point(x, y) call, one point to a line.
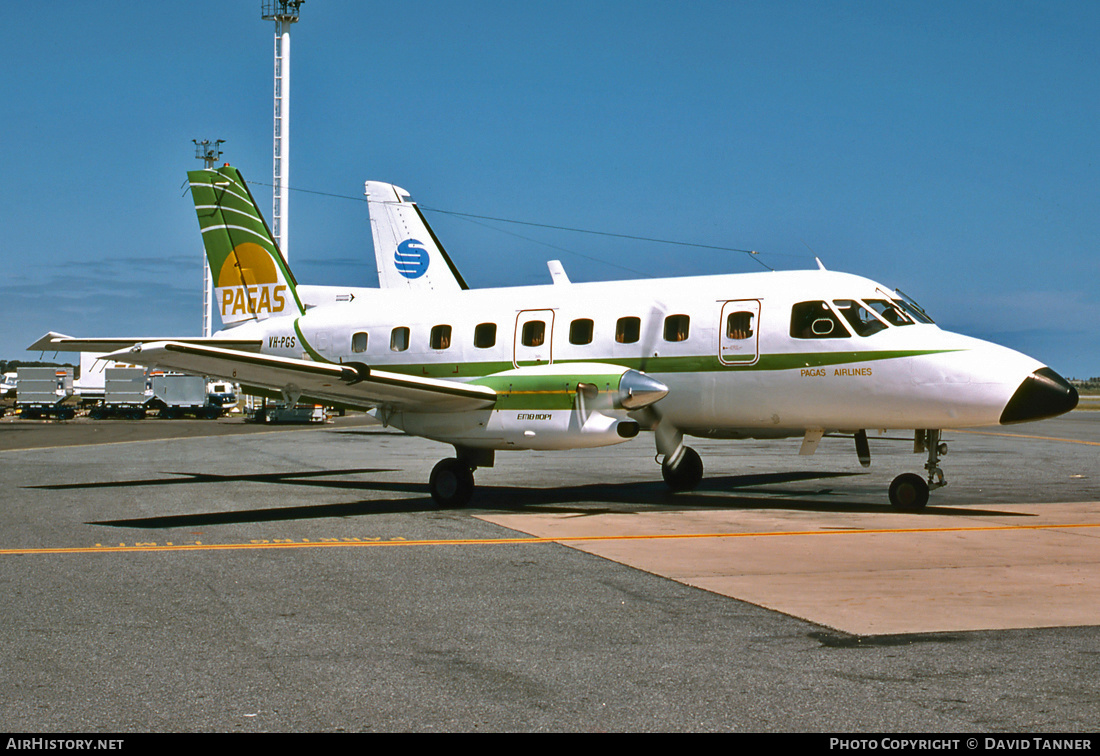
point(727, 347)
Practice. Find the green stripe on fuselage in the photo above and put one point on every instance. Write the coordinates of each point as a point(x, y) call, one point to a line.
point(550, 392)
point(314, 354)
point(690, 364)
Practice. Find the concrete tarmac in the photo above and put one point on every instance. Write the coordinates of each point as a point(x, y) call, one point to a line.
point(216, 576)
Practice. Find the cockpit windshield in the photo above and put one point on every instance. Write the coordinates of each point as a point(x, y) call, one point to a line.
point(859, 317)
point(863, 317)
point(912, 308)
point(889, 311)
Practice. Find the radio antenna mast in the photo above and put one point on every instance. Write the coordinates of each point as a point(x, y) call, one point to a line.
point(210, 153)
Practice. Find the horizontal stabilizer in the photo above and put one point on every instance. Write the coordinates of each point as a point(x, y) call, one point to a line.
point(59, 342)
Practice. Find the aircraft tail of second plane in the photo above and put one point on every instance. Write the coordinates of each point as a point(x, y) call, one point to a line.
point(407, 252)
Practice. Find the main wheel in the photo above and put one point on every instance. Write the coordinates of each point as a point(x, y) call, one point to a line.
point(909, 492)
point(451, 484)
point(687, 473)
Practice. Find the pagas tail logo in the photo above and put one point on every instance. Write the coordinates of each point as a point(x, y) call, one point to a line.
point(249, 283)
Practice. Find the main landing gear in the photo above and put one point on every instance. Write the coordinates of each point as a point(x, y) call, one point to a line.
point(451, 483)
point(909, 491)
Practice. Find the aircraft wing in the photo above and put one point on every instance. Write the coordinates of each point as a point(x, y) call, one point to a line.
point(349, 384)
point(59, 342)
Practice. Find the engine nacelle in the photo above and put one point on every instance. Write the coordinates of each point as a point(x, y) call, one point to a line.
point(544, 407)
point(559, 429)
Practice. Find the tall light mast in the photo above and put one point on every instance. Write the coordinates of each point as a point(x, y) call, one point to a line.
point(284, 13)
point(210, 153)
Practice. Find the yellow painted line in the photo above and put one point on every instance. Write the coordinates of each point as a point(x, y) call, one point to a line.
point(1034, 438)
point(140, 546)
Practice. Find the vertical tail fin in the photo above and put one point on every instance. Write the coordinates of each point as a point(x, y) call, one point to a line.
point(251, 279)
point(408, 254)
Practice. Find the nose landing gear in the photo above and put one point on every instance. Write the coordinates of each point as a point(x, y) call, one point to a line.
point(685, 472)
point(909, 491)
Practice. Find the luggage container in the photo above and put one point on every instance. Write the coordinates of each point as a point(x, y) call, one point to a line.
point(43, 392)
point(177, 395)
point(126, 394)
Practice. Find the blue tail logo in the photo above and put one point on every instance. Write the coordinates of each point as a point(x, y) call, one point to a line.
point(411, 259)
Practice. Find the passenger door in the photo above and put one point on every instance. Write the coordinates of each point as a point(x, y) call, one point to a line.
point(739, 332)
point(532, 339)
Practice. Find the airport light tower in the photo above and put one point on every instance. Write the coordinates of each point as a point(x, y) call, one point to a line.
point(284, 13)
point(209, 153)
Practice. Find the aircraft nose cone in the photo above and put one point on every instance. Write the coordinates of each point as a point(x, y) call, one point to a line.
point(1042, 394)
point(637, 390)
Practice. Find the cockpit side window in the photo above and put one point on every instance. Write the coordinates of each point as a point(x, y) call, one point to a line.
point(814, 320)
point(859, 317)
point(889, 312)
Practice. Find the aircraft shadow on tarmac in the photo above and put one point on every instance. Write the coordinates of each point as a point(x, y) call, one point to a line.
point(720, 492)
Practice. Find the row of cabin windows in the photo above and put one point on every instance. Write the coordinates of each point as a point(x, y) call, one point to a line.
point(809, 320)
point(628, 330)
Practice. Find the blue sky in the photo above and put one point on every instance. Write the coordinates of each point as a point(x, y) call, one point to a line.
point(947, 148)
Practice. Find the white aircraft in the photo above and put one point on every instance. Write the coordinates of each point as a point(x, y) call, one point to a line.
point(578, 365)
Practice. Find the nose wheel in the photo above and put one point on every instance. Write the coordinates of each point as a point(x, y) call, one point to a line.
point(685, 473)
point(909, 491)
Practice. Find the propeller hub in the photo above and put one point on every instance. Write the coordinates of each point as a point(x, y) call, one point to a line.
point(638, 390)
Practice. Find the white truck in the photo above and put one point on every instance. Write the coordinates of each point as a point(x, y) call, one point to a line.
point(178, 395)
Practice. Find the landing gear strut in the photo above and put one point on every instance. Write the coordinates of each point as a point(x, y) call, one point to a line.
point(909, 491)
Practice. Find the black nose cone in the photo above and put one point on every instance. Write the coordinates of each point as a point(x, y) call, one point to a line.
point(1043, 394)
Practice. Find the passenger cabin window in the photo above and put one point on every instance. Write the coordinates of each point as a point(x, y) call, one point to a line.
point(440, 337)
point(814, 320)
point(359, 341)
point(399, 339)
point(676, 327)
point(580, 331)
point(534, 333)
point(889, 312)
point(859, 317)
point(739, 325)
point(628, 330)
point(485, 335)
